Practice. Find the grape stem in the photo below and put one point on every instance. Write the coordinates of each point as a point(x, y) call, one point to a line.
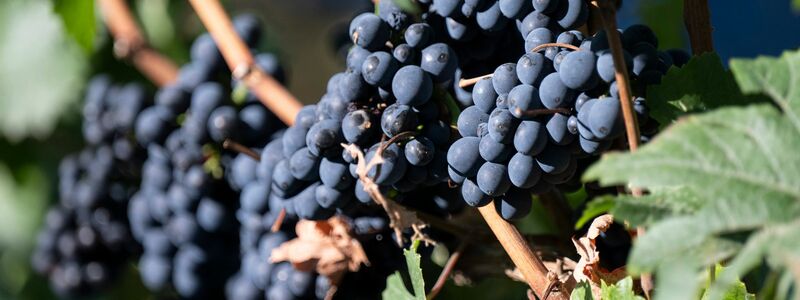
point(531, 266)
point(448, 268)
point(542, 111)
point(697, 19)
point(130, 44)
point(239, 148)
point(470, 81)
point(276, 226)
point(239, 59)
point(609, 20)
point(548, 45)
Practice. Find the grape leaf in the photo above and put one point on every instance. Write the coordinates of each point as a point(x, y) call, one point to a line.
point(396, 289)
point(593, 209)
point(79, 21)
point(582, 291)
point(701, 84)
point(41, 69)
point(740, 169)
point(622, 290)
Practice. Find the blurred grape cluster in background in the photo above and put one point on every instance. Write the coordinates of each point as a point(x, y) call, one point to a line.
point(48, 49)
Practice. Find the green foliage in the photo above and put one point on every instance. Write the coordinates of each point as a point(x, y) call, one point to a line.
point(725, 186)
point(622, 290)
point(700, 85)
point(593, 209)
point(41, 69)
point(79, 21)
point(396, 289)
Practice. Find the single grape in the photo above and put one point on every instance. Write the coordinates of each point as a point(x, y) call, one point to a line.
point(523, 171)
point(412, 86)
point(398, 118)
point(469, 119)
point(419, 151)
point(530, 138)
point(368, 31)
point(464, 156)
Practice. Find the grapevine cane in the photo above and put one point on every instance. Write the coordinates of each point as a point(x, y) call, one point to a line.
point(129, 43)
point(609, 19)
point(697, 19)
point(271, 93)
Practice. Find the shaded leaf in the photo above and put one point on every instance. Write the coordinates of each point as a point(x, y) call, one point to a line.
point(414, 270)
point(777, 77)
point(41, 70)
point(700, 85)
point(395, 289)
point(649, 209)
point(79, 21)
point(596, 207)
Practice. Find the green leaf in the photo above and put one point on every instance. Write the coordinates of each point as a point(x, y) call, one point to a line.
point(776, 77)
point(396, 289)
point(582, 291)
point(595, 208)
point(622, 290)
point(79, 20)
point(701, 84)
point(725, 187)
point(41, 69)
point(736, 291)
point(414, 271)
point(649, 209)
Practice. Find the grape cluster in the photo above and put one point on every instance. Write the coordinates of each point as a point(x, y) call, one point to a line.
point(184, 215)
point(86, 242)
point(532, 120)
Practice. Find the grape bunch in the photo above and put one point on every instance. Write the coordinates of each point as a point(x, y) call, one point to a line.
point(85, 242)
point(532, 120)
point(184, 214)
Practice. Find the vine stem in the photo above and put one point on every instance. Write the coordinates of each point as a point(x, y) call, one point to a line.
point(609, 20)
point(129, 43)
point(560, 45)
point(448, 269)
point(470, 81)
point(697, 19)
point(239, 59)
point(532, 268)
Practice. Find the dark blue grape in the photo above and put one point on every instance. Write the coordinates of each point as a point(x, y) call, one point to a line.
point(494, 151)
point(464, 156)
point(412, 86)
point(419, 151)
point(331, 198)
point(419, 35)
point(393, 167)
point(514, 9)
point(335, 174)
point(491, 19)
point(553, 159)
point(397, 119)
point(638, 34)
point(605, 118)
point(484, 95)
point(533, 20)
point(532, 68)
point(576, 14)
point(554, 94)
point(493, 179)
point(304, 165)
point(514, 205)
point(530, 137)
point(558, 131)
point(505, 78)
point(368, 31)
point(359, 126)
point(502, 125)
point(223, 123)
point(326, 134)
point(440, 61)
point(446, 8)
point(523, 98)
point(538, 37)
point(405, 54)
point(523, 171)
point(579, 70)
point(469, 119)
point(473, 195)
point(379, 68)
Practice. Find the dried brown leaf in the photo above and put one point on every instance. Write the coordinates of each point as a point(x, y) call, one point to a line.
point(323, 246)
point(588, 267)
